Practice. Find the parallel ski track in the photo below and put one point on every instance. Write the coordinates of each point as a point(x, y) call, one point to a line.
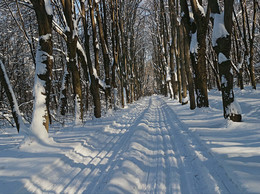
point(184, 164)
point(200, 170)
point(83, 174)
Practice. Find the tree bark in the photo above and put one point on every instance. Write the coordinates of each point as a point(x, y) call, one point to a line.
point(44, 63)
point(222, 48)
point(201, 20)
point(11, 98)
point(72, 39)
point(94, 87)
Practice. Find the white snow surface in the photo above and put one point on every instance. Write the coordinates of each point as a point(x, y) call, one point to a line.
point(201, 8)
point(234, 108)
point(48, 7)
point(168, 73)
point(156, 145)
point(221, 58)
point(219, 29)
point(194, 43)
point(39, 105)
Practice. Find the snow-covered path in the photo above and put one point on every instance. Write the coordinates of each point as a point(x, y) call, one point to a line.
point(160, 155)
point(143, 149)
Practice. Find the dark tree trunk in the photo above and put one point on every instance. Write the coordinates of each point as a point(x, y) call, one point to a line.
point(10, 96)
point(72, 39)
point(201, 20)
point(94, 87)
point(44, 51)
point(222, 48)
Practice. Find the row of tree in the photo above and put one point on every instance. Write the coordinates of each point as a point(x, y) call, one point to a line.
point(83, 56)
point(87, 53)
point(204, 46)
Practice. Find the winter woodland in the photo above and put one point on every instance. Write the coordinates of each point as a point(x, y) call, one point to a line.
point(112, 83)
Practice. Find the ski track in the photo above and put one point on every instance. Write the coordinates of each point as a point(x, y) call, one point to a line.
point(149, 150)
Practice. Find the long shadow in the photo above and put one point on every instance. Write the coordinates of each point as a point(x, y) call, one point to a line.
point(119, 148)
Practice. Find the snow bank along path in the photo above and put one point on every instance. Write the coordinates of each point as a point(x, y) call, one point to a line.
point(143, 149)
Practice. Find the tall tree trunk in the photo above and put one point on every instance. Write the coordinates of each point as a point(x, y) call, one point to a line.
point(115, 47)
point(105, 56)
point(44, 63)
point(11, 98)
point(201, 20)
point(182, 65)
point(94, 87)
point(72, 39)
point(173, 20)
point(188, 69)
point(222, 46)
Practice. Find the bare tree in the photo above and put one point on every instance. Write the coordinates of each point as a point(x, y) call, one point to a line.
point(222, 46)
point(44, 62)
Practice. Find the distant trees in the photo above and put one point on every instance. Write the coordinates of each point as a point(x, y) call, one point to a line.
point(67, 60)
point(92, 56)
point(188, 25)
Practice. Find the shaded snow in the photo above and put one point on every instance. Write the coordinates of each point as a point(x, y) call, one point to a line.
point(156, 145)
point(194, 43)
point(201, 8)
point(48, 7)
point(234, 108)
point(219, 30)
point(222, 58)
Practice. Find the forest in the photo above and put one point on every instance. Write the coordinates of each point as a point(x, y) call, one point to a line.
point(84, 58)
point(129, 96)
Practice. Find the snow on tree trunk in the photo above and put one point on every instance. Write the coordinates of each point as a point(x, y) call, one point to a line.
point(40, 119)
point(222, 45)
point(125, 100)
point(198, 52)
point(11, 97)
point(115, 98)
point(44, 62)
point(63, 92)
point(72, 64)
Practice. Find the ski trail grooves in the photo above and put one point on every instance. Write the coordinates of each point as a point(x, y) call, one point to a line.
point(163, 156)
point(145, 150)
point(199, 168)
point(80, 168)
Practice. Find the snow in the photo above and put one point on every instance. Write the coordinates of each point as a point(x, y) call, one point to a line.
point(201, 8)
point(168, 74)
point(16, 107)
point(77, 110)
point(194, 43)
point(48, 7)
point(221, 58)
point(45, 37)
point(224, 80)
point(156, 145)
point(39, 109)
point(219, 30)
point(185, 100)
point(234, 108)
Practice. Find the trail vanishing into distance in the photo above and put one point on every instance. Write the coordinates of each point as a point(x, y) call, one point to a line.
point(145, 150)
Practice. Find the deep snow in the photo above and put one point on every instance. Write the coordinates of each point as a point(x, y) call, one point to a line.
point(155, 145)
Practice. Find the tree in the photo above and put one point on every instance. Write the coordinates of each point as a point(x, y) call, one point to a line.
point(11, 97)
point(199, 52)
point(94, 87)
point(222, 31)
point(44, 62)
point(72, 39)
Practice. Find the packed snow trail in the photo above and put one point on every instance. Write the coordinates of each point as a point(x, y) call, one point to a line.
point(145, 150)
